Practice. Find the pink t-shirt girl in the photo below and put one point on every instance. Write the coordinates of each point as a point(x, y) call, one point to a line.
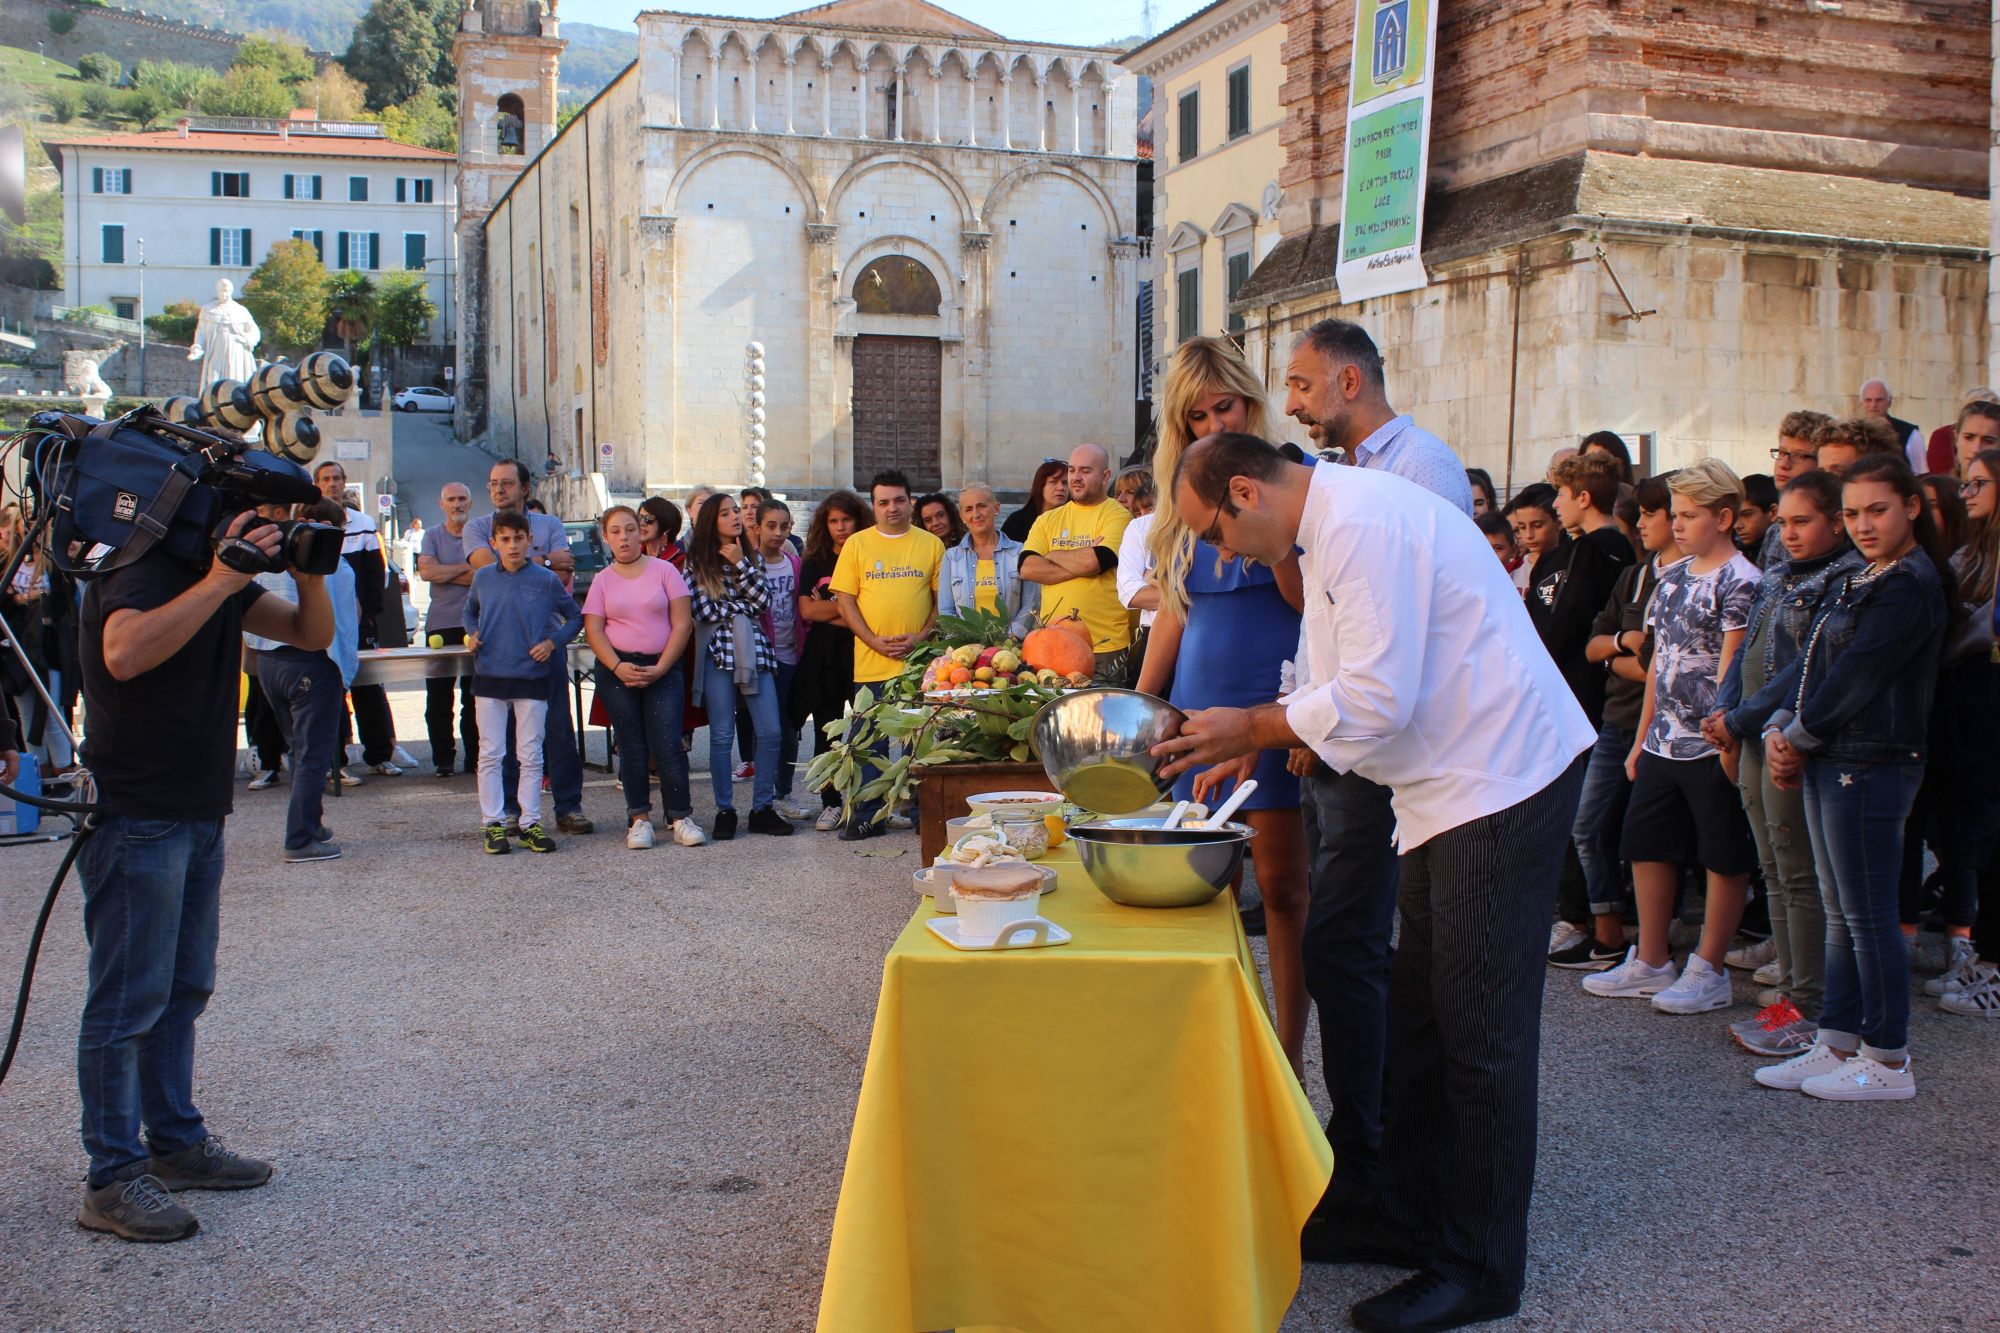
point(636, 610)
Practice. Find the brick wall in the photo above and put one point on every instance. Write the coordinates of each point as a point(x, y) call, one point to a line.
point(1895, 89)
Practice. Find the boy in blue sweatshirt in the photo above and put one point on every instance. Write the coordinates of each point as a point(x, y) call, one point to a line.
point(516, 615)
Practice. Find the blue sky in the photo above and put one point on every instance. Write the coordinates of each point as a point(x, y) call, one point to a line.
point(1082, 22)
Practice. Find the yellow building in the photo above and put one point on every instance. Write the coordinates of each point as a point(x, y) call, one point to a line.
point(1216, 159)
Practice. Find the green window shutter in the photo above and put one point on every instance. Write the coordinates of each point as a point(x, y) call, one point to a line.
point(246, 248)
point(340, 247)
point(1235, 276)
point(126, 172)
point(1187, 304)
point(1190, 125)
point(1239, 102)
point(413, 250)
point(288, 185)
point(401, 187)
point(97, 180)
point(375, 249)
point(215, 183)
point(114, 244)
point(214, 245)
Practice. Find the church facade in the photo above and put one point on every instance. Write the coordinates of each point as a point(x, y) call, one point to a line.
point(928, 229)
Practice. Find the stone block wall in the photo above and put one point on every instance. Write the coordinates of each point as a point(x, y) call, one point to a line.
point(126, 34)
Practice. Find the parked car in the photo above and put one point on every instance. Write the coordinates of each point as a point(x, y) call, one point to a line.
point(423, 398)
point(586, 544)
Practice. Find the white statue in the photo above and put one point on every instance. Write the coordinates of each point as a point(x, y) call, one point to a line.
point(225, 340)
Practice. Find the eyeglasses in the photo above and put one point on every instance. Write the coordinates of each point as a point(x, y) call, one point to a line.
point(1795, 454)
point(1970, 488)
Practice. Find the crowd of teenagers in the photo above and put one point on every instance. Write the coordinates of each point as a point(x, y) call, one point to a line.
point(1796, 684)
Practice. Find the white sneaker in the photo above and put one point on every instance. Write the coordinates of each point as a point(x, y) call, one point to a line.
point(1563, 935)
point(1964, 958)
point(687, 833)
point(639, 835)
point(1861, 1079)
point(793, 810)
point(903, 822)
point(350, 777)
point(1978, 1000)
point(1751, 956)
point(1767, 975)
point(1631, 979)
point(829, 819)
point(264, 780)
point(403, 758)
point(1790, 1075)
point(1699, 989)
point(387, 769)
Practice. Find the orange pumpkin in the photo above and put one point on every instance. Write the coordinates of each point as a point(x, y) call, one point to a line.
point(1058, 650)
point(1073, 624)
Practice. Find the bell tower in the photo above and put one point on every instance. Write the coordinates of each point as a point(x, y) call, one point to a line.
point(506, 52)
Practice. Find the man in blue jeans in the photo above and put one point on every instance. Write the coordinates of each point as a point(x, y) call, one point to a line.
point(161, 647)
point(508, 486)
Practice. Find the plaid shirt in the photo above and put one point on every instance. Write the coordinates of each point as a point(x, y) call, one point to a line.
point(744, 593)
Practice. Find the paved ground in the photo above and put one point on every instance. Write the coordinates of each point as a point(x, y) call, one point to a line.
point(610, 1089)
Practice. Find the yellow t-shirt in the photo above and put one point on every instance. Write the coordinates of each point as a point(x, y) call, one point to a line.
point(894, 581)
point(1074, 527)
point(986, 587)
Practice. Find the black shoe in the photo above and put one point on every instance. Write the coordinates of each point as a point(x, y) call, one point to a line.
point(857, 831)
point(446, 771)
point(766, 820)
point(1253, 919)
point(575, 822)
point(1587, 955)
point(206, 1166)
point(1356, 1236)
point(1428, 1303)
point(725, 826)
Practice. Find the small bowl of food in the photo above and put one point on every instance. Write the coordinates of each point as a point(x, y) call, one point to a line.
point(1015, 805)
point(992, 898)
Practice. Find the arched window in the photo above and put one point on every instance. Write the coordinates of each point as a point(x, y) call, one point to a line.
point(896, 285)
point(509, 125)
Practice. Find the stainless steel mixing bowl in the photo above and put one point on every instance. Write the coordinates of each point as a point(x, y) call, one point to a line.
point(1132, 861)
point(1095, 746)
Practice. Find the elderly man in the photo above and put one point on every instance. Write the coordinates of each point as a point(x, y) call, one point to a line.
point(442, 563)
point(1876, 401)
point(1420, 672)
point(1072, 551)
point(1335, 383)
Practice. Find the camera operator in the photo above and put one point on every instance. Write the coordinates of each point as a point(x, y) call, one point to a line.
point(162, 644)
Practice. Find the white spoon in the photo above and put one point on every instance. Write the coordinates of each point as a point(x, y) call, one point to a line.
point(1233, 804)
point(1173, 820)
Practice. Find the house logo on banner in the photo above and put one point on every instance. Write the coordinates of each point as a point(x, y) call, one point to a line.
point(1388, 149)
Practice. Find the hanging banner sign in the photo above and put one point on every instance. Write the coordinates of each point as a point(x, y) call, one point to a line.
point(1388, 148)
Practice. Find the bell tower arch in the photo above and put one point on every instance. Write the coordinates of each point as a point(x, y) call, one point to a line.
point(507, 53)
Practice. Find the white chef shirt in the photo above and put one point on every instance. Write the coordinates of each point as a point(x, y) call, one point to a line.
point(1135, 565)
point(1423, 672)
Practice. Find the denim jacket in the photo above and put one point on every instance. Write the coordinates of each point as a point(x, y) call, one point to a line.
point(958, 588)
point(1860, 690)
point(1788, 600)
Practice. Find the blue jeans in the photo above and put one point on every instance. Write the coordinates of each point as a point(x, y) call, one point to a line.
point(647, 723)
point(788, 731)
point(1855, 814)
point(1600, 812)
point(304, 692)
point(559, 758)
point(719, 697)
point(151, 900)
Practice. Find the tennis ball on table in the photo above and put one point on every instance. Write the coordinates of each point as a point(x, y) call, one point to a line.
point(436, 641)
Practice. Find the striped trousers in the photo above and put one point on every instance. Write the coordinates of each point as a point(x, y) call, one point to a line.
point(1465, 1028)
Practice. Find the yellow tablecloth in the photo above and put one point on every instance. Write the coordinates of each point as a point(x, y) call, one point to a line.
point(1103, 1135)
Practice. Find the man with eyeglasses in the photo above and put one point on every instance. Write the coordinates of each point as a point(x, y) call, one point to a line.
point(1797, 454)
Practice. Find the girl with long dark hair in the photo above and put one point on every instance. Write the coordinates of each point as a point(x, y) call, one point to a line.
point(726, 578)
point(825, 679)
point(1049, 490)
point(1854, 737)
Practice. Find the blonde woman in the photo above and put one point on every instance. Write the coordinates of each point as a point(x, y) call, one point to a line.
point(1221, 635)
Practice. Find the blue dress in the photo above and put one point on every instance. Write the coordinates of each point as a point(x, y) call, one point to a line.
point(1240, 631)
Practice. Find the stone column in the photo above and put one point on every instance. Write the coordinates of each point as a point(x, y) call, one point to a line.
point(1041, 109)
point(902, 103)
point(826, 97)
point(972, 107)
point(976, 253)
point(751, 93)
point(659, 450)
point(822, 443)
point(715, 88)
point(674, 105)
point(791, 91)
point(937, 103)
point(1007, 108)
point(1076, 116)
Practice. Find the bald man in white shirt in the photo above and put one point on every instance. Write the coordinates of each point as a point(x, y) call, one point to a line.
point(1424, 674)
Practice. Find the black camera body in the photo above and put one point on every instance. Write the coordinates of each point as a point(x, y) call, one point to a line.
point(141, 482)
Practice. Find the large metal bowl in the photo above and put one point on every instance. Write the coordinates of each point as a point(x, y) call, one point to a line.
point(1132, 861)
point(1096, 747)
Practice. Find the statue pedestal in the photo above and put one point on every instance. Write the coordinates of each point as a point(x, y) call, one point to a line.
point(94, 404)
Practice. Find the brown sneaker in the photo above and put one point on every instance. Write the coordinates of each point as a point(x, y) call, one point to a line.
point(137, 1209)
point(575, 822)
point(208, 1166)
